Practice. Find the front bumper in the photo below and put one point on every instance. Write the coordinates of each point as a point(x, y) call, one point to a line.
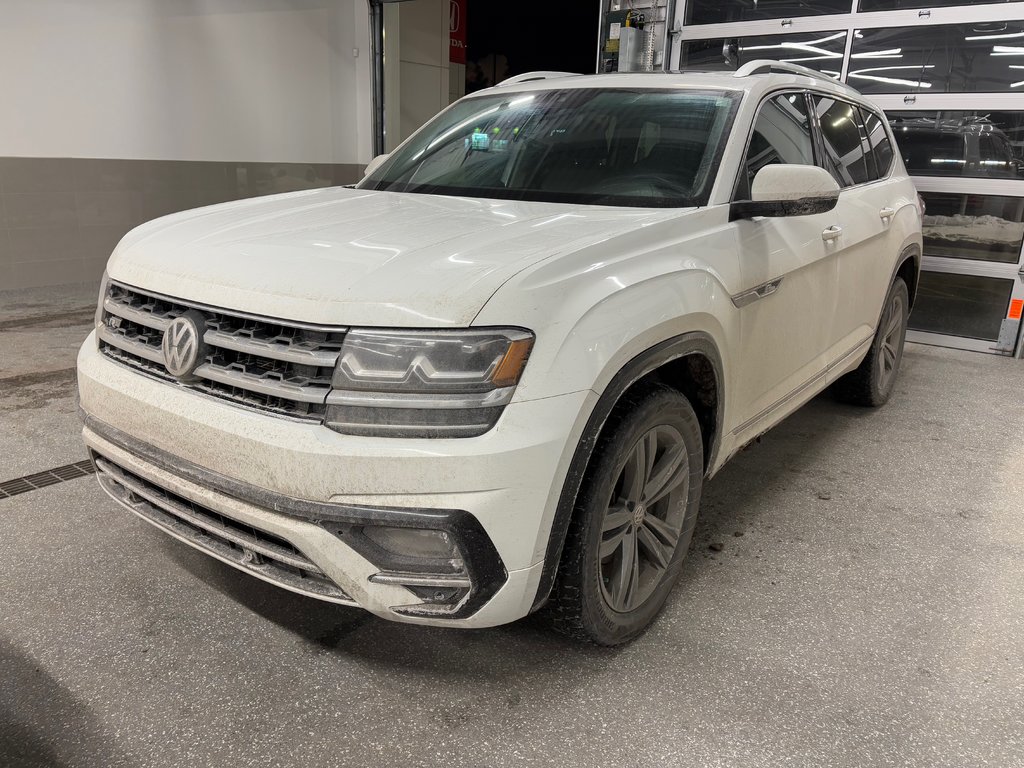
point(300, 488)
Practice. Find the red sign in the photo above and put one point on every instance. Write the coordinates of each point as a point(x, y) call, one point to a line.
point(457, 32)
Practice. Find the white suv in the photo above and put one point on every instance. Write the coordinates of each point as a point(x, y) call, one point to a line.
point(494, 375)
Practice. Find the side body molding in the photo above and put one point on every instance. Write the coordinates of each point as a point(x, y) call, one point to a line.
point(765, 289)
point(632, 372)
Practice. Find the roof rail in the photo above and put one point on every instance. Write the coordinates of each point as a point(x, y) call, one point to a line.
point(752, 67)
point(529, 77)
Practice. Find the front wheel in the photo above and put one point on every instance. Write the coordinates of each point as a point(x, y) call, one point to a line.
point(633, 521)
point(873, 381)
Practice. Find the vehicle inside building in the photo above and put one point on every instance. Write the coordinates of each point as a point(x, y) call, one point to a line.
point(459, 383)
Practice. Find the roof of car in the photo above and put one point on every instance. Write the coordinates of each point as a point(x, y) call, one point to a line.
point(755, 77)
point(957, 126)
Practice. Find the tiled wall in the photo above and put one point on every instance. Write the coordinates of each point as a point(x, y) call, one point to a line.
point(60, 218)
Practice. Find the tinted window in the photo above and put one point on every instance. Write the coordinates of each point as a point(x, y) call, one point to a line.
point(878, 141)
point(822, 51)
point(961, 305)
point(845, 155)
point(593, 146)
point(951, 58)
point(717, 11)
point(782, 134)
point(975, 227)
point(895, 5)
point(960, 143)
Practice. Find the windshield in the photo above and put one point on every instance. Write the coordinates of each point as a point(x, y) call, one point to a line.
point(595, 146)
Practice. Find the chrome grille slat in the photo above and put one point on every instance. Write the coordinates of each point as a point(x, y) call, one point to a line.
point(258, 363)
point(135, 315)
point(274, 351)
point(122, 342)
point(282, 389)
point(256, 552)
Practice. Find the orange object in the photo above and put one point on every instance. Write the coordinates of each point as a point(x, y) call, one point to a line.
point(1016, 308)
point(512, 366)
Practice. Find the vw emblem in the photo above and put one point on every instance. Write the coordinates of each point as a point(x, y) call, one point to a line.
point(183, 345)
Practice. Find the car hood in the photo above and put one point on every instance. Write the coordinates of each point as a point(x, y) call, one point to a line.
point(356, 257)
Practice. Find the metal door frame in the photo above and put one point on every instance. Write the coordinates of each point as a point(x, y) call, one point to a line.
point(980, 268)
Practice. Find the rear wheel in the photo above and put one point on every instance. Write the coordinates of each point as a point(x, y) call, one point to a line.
point(873, 381)
point(633, 521)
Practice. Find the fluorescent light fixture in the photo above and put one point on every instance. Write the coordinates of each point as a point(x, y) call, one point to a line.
point(994, 37)
point(811, 58)
point(898, 66)
point(1007, 50)
point(823, 54)
point(836, 36)
point(861, 74)
point(888, 53)
point(806, 47)
point(891, 80)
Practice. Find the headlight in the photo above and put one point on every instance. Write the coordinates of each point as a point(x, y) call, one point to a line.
point(425, 383)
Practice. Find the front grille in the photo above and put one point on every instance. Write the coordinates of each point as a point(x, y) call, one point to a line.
point(244, 546)
point(268, 365)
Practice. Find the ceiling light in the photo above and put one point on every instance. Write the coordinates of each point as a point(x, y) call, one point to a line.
point(994, 37)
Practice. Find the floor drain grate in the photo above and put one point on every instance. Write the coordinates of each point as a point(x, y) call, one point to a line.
point(45, 478)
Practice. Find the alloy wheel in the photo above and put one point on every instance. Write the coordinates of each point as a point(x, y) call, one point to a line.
point(644, 518)
point(892, 340)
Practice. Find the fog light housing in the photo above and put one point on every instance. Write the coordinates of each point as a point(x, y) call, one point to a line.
point(419, 550)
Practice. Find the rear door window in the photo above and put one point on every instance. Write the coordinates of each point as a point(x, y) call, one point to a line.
point(878, 141)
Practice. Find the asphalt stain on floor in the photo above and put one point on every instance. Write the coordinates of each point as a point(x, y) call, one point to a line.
point(64, 319)
point(35, 390)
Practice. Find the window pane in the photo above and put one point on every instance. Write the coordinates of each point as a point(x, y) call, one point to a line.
point(975, 144)
point(595, 146)
point(950, 58)
point(716, 11)
point(878, 139)
point(895, 5)
point(977, 227)
point(844, 151)
point(782, 134)
point(822, 51)
point(961, 305)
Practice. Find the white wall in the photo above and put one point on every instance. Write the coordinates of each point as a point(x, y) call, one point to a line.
point(245, 80)
point(418, 75)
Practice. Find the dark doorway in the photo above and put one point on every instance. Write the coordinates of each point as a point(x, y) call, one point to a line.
point(506, 39)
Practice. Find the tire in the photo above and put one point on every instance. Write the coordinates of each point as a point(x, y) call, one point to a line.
point(602, 599)
point(873, 381)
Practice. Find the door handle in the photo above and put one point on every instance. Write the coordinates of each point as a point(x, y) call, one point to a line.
point(832, 233)
point(886, 213)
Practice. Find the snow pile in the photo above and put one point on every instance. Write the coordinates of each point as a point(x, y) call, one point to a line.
point(973, 229)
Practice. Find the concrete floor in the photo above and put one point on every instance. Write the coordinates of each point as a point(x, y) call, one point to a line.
point(866, 608)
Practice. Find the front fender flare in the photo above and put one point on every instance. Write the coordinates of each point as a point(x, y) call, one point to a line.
point(696, 342)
